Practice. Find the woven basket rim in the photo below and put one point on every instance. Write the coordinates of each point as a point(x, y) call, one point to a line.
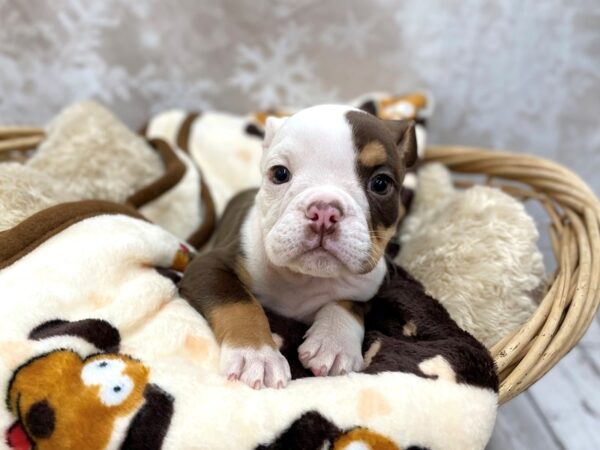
point(573, 293)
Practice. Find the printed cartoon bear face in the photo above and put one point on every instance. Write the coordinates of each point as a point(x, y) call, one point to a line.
point(65, 402)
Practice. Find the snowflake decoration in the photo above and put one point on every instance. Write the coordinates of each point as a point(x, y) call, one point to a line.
point(278, 74)
point(354, 34)
point(174, 90)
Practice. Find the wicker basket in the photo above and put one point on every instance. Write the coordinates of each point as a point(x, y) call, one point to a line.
point(572, 295)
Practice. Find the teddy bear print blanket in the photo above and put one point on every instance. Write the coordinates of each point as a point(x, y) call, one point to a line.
point(99, 351)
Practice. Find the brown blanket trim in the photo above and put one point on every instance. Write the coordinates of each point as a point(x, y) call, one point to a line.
point(35, 230)
point(174, 172)
point(185, 129)
point(206, 229)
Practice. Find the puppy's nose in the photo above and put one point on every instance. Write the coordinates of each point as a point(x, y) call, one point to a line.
point(323, 216)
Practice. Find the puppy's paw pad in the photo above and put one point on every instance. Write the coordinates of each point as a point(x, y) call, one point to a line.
point(258, 368)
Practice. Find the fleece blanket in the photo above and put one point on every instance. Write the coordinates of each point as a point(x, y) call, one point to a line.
point(98, 351)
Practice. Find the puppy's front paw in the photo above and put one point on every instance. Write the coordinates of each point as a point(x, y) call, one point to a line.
point(255, 367)
point(325, 353)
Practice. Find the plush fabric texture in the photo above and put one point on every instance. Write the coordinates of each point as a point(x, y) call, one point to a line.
point(118, 162)
point(90, 154)
point(101, 352)
point(107, 355)
point(475, 251)
point(24, 191)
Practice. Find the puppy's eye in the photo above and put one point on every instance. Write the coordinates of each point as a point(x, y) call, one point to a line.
point(280, 174)
point(380, 184)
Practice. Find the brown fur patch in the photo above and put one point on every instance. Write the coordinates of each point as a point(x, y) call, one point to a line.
point(185, 129)
point(379, 241)
point(41, 226)
point(373, 154)
point(174, 172)
point(217, 284)
point(355, 309)
point(384, 147)
point(241, 324)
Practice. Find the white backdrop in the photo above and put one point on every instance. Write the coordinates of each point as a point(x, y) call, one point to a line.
point(516, 74)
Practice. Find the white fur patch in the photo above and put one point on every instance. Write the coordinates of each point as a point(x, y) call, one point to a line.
point(316, 145)
point(295, 271)
point(333, 343)
point(263, 367)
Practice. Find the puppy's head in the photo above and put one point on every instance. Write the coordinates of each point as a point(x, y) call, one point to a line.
point(330, 196)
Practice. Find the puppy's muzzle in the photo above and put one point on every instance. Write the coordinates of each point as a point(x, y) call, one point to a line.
point(323, 216)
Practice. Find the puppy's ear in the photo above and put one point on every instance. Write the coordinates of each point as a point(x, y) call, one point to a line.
point(271, 126)
point(405, 138)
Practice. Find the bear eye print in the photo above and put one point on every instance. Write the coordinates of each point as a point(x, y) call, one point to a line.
point(115, 386)
point(279, 174)
point(98, 371)
point(116, 391)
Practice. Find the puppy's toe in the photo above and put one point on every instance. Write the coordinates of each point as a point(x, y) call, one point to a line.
point(345, 363)
point(328, 356)
point(232, 362)
point(258, 368)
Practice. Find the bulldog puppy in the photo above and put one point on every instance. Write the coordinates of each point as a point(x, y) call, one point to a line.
point(309, 244)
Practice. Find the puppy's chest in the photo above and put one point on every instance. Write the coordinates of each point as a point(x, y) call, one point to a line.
point(300, 303)
point(301, 297)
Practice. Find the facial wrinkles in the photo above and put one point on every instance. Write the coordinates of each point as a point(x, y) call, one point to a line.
point(325, 159)
point(313, 170)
